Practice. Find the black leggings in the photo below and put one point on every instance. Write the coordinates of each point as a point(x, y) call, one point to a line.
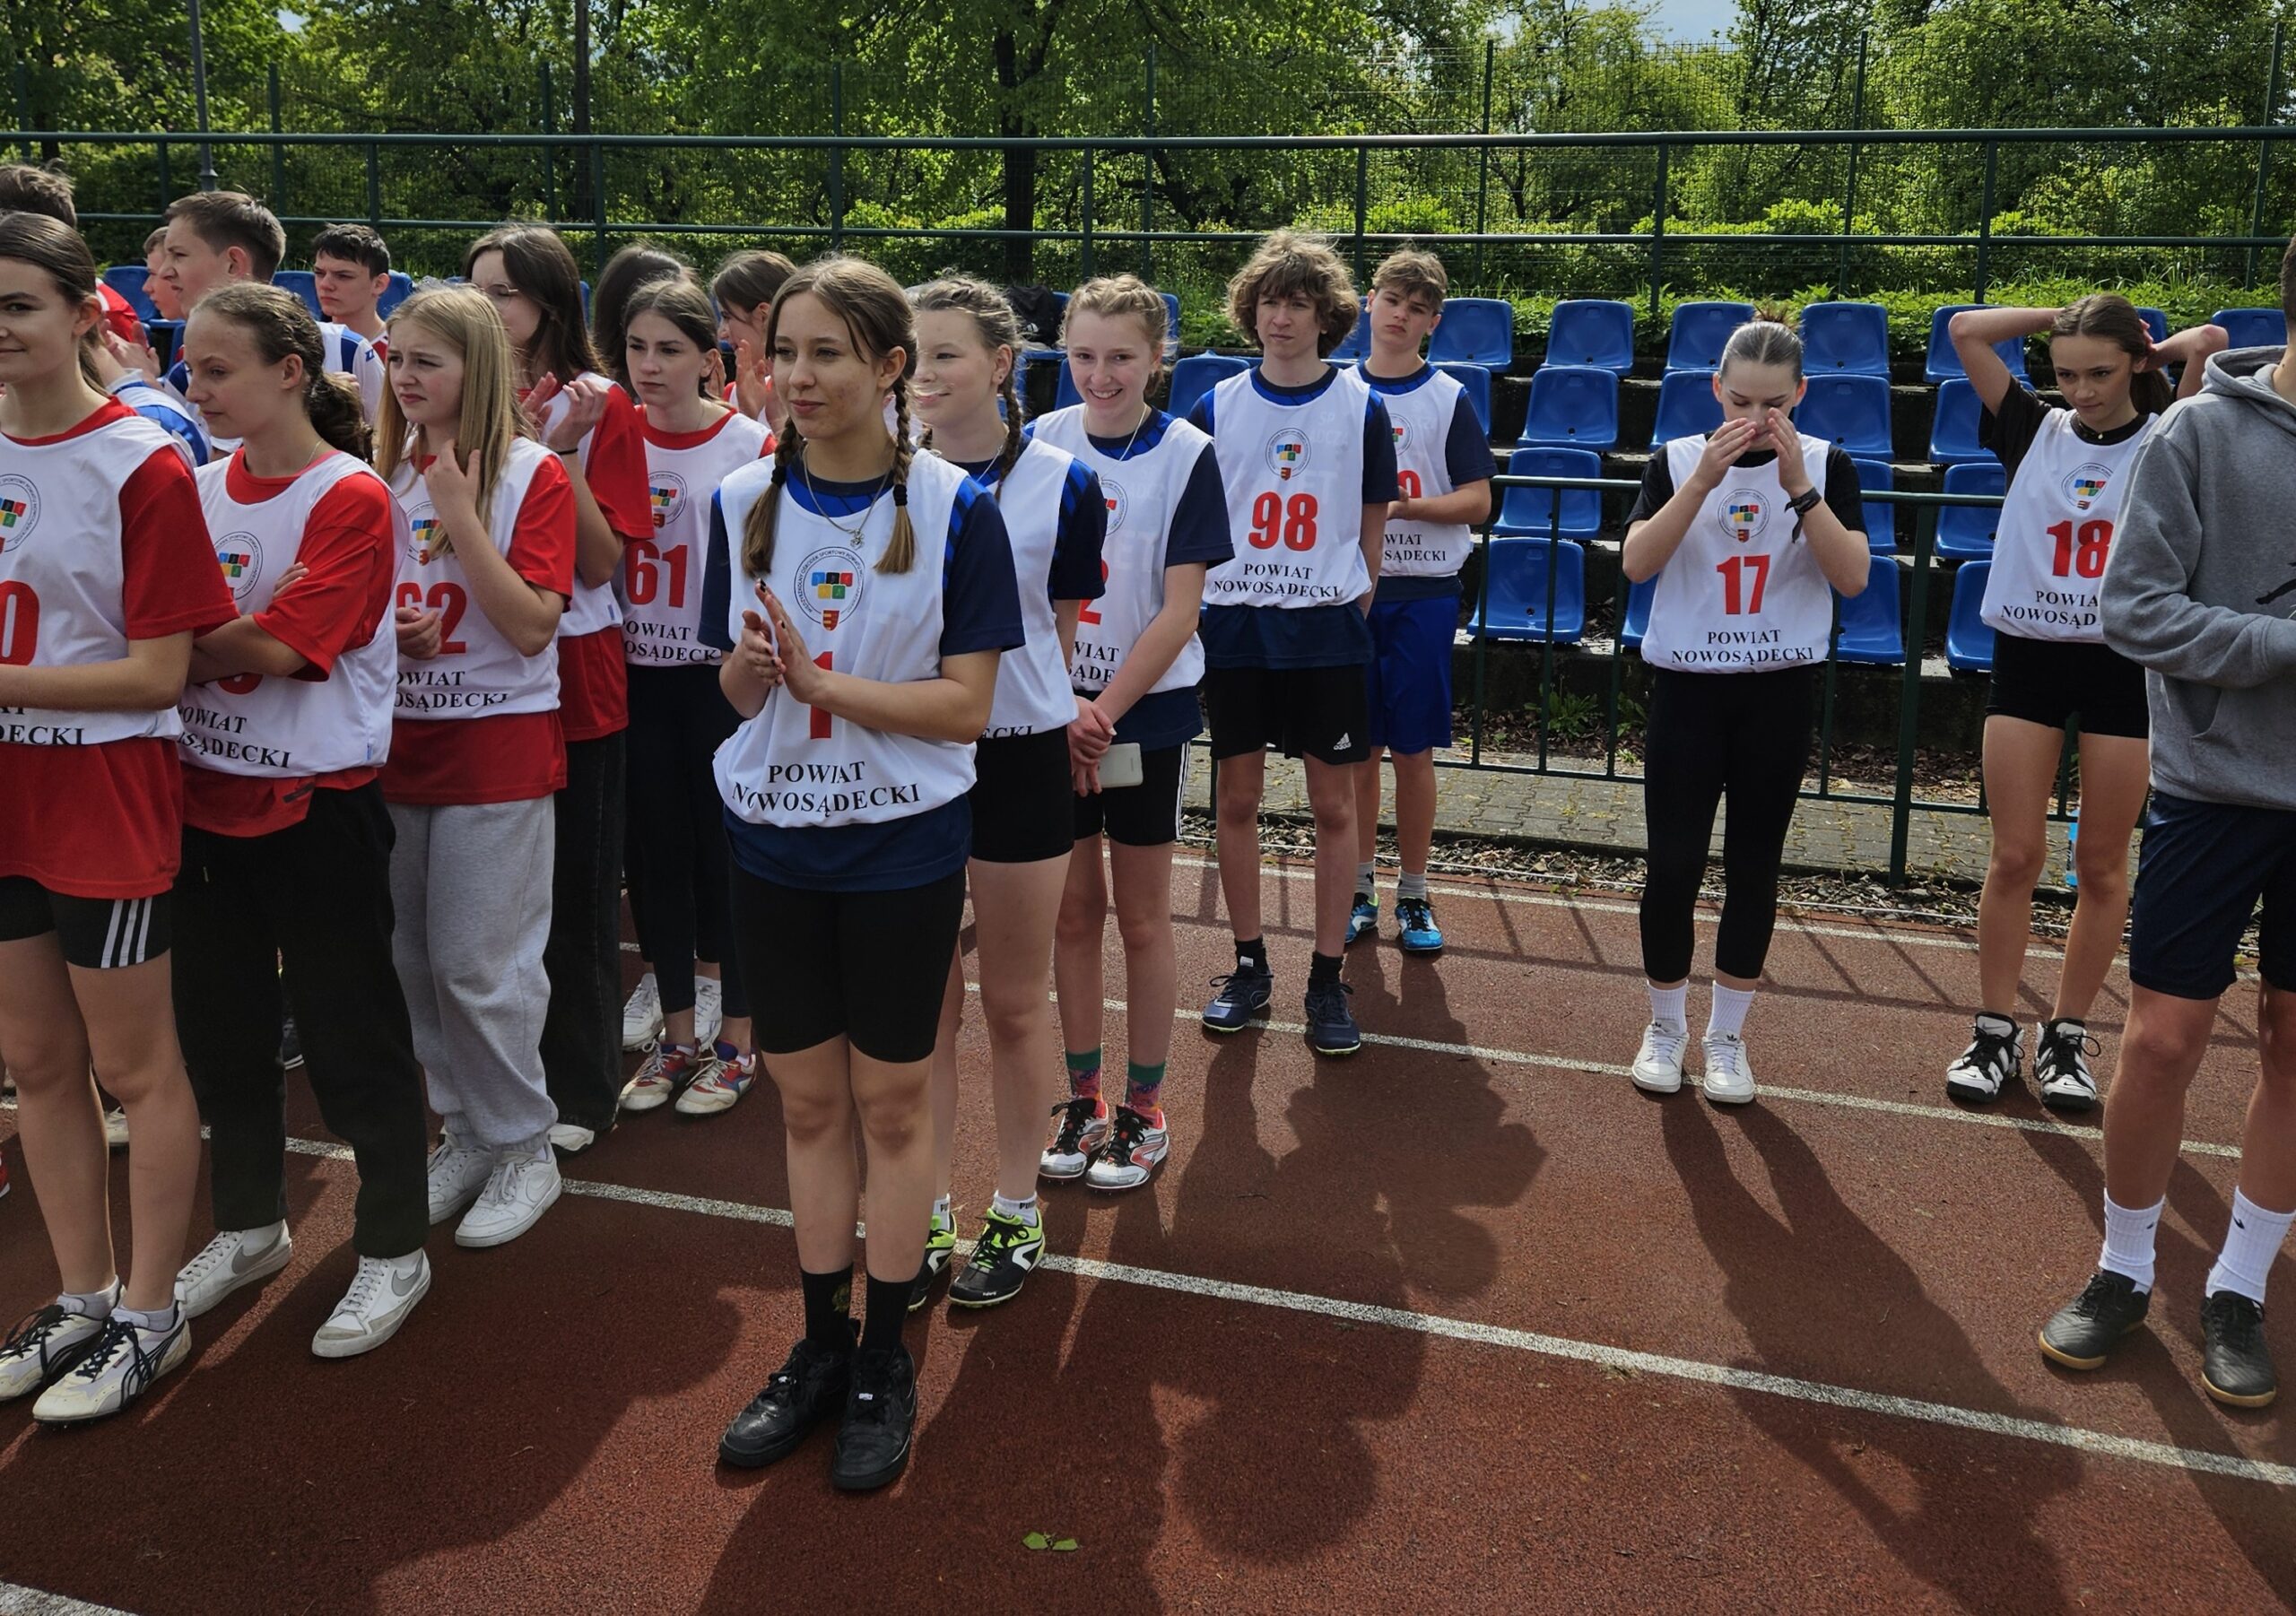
point(867, 967)
point(678, 864)
point(1744, 733)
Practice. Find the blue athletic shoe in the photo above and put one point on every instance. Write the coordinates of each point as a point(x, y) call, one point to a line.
point(1331, 1025)
point(1363, 919)
point(1415, 921)
point(1243, 993)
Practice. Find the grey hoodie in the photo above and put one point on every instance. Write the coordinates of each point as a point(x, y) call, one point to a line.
point(2201, 586)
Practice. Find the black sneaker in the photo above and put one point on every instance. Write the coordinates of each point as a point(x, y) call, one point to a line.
point(872, 1443)
point(1331, 1025)
point(2235, 1368)
point(291, 1044)
point(804, 1391)
point(2083, 1334)
point(1994, 1061)
point(1243, 993)
point(2061, 1066)
point(1003, 1259)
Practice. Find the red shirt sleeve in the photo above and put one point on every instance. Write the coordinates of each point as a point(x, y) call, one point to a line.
point(541, 541)
point(350, 544)
point(120, 316)
point(614, 466)
point(173, 581)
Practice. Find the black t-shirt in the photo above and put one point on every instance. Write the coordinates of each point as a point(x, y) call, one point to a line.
point(1843, 497)
point(2010, 431)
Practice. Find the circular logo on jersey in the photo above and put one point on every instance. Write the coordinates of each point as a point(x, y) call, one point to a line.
point(426, 535)
point(2084, 483)
point(829, 584)
point(1745, 514)
point(240, 555)
point(19, 511)
point(1395, 425)
point(1113, 492)
point(1287, 452)
point(665, 492)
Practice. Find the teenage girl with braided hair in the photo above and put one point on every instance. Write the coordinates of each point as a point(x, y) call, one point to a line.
point(968, 343)
point(862, 594)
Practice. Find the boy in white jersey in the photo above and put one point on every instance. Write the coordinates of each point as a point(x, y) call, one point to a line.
point(1443, 467)
point(351, 265)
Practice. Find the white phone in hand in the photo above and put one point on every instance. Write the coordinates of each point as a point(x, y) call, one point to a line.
point(1120, 765)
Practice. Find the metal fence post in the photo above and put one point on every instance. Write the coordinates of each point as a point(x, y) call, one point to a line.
point(1084, 259)
point(549, 151)
point(1985, 219)
point(24, 109)
point(2263, 153)
point(1148, 172)
point(1657, 227)
point(1362, 204)
point(1483, 165)
point(1849, 181)
point(837, 156)
point(278, 197)
point(375, 185)
point(1924, 547)
point(199, 98)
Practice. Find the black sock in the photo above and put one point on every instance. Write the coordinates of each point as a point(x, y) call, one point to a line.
point(828, 1309)
point(1252, 954)
point(888, 1310)
point(1323, 970)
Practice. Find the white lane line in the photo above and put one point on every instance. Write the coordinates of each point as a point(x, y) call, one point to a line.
point(2201, 1461)
point(16, 1599)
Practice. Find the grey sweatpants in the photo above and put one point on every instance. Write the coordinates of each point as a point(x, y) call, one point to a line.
point(471, 883)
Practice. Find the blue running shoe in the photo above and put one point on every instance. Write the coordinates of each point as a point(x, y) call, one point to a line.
point(1415, 921)
point(1363, 919)
point(1331, 1025)
point(1243, 993)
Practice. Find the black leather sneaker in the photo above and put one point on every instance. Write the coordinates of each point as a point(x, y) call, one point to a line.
point(2083, 1334)
point(806, 1390)
point(873, 1443)
point(2235, 1368)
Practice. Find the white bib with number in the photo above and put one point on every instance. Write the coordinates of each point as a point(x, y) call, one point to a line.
point(2055, 529)
point(1294, 474)
point(1742, 594)
point(1420, 419)
point(592, 611)
point(477, 672)
point(1033, 690)
point(661, 577)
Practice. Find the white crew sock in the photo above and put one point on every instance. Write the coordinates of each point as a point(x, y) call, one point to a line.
point(2128, 1240)
point(1729, 1012)
point(1409, 886)
point(941, 1212)
point(1026, 1210)
point(2251, 1241)
point(1670, 1005)
point(1363, 877)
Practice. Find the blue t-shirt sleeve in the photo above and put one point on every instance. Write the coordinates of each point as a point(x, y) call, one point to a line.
point(178, 425)
point(980, 603)
point(1199, 414)
point(717, 581)
point(1078, 537)
point(1467, 452)
point(1199, 526)
point(1380, 484)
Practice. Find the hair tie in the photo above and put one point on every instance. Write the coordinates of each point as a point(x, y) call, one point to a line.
point(901, 493)
point(780, 474)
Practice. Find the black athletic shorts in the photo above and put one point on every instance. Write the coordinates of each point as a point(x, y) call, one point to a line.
point(2048, 681)
point(1146, 815)
point(1320, 713)
point(2204, 871)
point(1020, 798)
point(869, 966)
point(97, 933)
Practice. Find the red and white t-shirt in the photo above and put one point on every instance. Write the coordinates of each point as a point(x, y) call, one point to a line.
point(255, 748)
point(119, 315)
point(479, 722)
point(593, 696)
point(101, 543)
point(661, 575)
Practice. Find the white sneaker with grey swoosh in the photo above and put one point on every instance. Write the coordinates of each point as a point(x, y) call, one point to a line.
point(233, 1258)
point(382, 1293)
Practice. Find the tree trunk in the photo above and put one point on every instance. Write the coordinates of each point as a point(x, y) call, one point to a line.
point(1020, 169)
point(582, 201)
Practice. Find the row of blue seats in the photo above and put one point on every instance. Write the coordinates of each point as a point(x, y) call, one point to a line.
point(127, 280)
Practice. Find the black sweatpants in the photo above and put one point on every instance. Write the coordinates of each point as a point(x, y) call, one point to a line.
point(316, 900)
point(581, 1034)
point(680, 869)
point(1745, 734)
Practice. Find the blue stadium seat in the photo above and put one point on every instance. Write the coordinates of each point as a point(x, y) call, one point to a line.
point(127, 280)
point(1637, 615)
point(1355, 347)
point(1572, 406)
point(1953, 432)
point(1700, 329)
point(1592, 331)
point(1880, 518)
point(1942, 362)
point(1476, 380)
point(1475, 331)
point(165, 335)
point(304, 285)
point(1851, 411)
point(1524, 512)
point(2156, 322)
point(1870, 630)
point(396, 293)
point(1171, 325)
point(1965, 531)
point(2252, 327)
point(1969, 642)
point(586, 302)
point(1846, 339)
point(1064, 391)
point(1193, 378)
point(1687, 406)
point(1514, 607)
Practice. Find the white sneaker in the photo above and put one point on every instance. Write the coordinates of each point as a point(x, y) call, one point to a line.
point(520, 1189)
point(709, 1010)
point(382, 1293)
point(667, 1072)
point(119, 1369)
point(641, 1017)
point(116, 1129)
point(722, 1083)
point(1659, 1064)
point(45, 1345)
point(233, 1258)
point(1729, 1081)
point(569, 1139)
point(459, 1172)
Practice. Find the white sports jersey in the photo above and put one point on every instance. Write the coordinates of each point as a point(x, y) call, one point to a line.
point(63, 576)
point(794, 765)
point(1742, 594)
point(283, 728)
point(2057, 525)
point(1033, 690)
point(1295, 495)
point(477, 673)
point(592, 611)
point(1141, 491)
point(1420, 419)
point(661, 577)
point(350, 355)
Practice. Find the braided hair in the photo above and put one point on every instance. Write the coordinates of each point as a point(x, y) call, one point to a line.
point(279, 326)
point(998, 327)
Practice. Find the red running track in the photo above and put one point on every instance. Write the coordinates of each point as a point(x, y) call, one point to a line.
point(1464, 1323)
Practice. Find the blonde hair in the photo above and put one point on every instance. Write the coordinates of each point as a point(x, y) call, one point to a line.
point(1290, 264)
point(463, 318)
point(876, 316)
point(1409, 272)
point(998, 326)
point(1122, 297)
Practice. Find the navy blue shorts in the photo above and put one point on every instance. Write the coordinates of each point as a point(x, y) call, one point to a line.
point(2202, 870)
point(1409, 676)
